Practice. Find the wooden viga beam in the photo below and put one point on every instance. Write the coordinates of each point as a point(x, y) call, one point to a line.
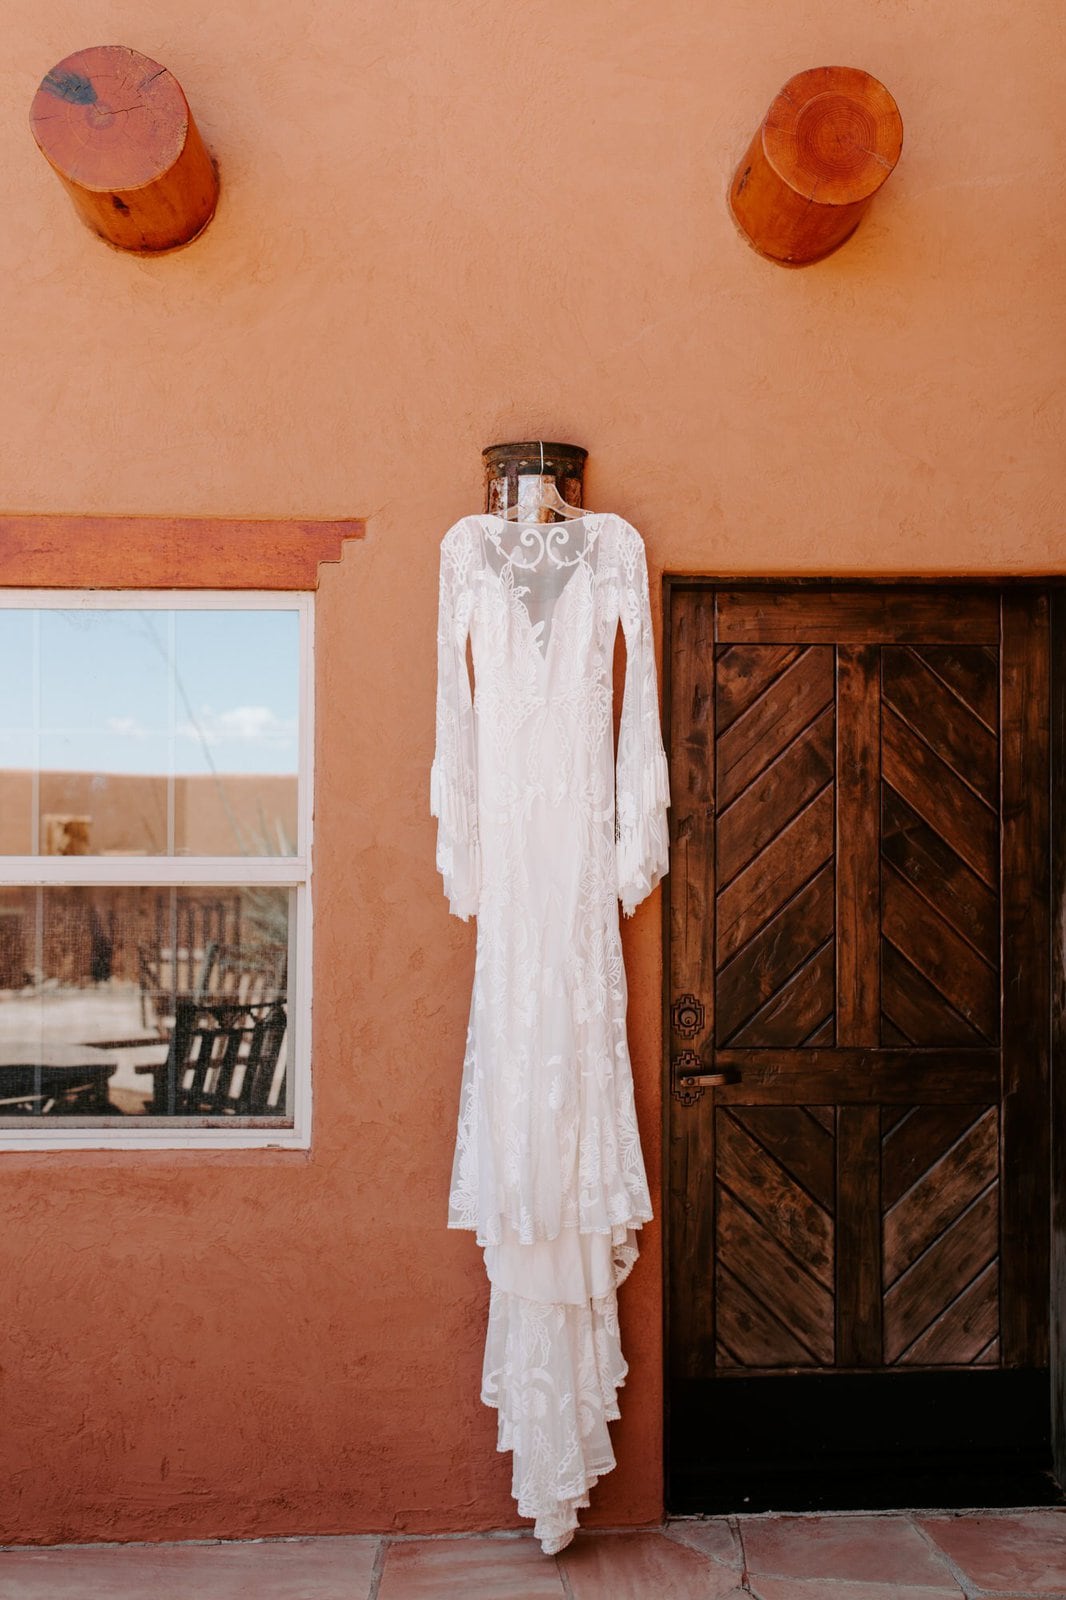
point(117, 131)
point(824, 148)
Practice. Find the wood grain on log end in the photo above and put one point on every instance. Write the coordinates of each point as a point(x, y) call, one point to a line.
point(116, 129)
point(827, 144)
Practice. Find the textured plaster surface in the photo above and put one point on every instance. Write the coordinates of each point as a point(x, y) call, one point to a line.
point(443, 225)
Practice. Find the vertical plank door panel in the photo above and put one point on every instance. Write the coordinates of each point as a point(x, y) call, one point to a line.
point(1026, 977)
point(858, 1305)
point(858, 841)
point(689, 909)
point(1057, 1329)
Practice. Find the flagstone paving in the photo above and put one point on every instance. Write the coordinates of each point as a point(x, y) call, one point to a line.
point(1012, 1555)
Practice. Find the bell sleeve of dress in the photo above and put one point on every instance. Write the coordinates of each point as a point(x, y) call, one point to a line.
point(453, 778)
point(642, 790)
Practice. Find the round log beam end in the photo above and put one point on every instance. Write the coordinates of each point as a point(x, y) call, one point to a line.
point(116, 129)
point(825, 147)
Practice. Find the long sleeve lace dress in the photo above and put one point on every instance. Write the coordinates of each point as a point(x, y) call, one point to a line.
point(540, 834)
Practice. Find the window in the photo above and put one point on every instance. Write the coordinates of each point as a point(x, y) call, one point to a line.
point(155, 819)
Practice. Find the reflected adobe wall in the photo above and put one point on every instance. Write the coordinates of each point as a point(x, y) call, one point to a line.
point(427, 241)
point(127, 812)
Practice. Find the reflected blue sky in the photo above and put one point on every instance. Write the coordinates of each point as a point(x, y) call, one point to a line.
point(130, 691)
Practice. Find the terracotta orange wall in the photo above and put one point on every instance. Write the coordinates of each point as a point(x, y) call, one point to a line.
point(444, 225)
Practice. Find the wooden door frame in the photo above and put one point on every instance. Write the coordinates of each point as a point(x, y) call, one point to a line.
point(1055, 585)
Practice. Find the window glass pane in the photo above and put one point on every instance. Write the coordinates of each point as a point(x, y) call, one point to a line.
point(17, 760)
point(145, 1003)
point(149, 732)
point(237, 678)
point(17, 737)
point(17, 651)
point(104, 732)
point(105, 684)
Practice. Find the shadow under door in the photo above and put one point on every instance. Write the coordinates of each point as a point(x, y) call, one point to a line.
point(858, 1019)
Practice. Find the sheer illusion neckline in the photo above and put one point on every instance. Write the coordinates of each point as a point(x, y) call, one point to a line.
point(549, 536)
point(538, 556)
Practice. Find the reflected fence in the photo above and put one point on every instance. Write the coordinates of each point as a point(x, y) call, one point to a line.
point(138, 1001)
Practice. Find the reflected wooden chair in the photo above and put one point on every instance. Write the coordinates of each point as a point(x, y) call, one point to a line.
point(222, 1060)
point(218, 971)
point(177, 955)
point(252, 974)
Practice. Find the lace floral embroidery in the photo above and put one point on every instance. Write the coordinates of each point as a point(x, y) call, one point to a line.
point(542, 830)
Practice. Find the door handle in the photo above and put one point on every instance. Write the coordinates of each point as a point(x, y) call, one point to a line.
point(688, 1070)
point(707, 1080)
point(691, 1076)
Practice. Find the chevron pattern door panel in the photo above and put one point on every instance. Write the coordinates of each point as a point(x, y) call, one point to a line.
point(940, 846)
point(858, 917)
point(775, 1248)
point(775, 758)
point(940, 1192)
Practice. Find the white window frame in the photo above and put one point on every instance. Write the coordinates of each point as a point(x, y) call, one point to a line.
point(292, 872)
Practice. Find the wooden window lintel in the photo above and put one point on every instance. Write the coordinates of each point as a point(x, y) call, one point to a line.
point(110, 552)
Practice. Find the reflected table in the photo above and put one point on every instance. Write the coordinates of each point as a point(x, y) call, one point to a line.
point(39, 1076)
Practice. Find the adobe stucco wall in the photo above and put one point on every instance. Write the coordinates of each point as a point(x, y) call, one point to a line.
point(443, 225)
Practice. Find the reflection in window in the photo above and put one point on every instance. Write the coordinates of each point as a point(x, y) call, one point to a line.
point(138, 1001)
point(145, 732)
point(155, 808)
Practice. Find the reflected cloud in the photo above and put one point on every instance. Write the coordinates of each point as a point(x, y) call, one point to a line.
point(128, 727)
point(252, 724)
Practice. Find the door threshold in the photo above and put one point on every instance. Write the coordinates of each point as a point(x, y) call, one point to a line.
point(716, 1496)
point(861, 1442)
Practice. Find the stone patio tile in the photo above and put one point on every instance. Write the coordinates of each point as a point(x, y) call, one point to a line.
point(831, 1589)
point(1023, 1550)
point(644, 1566)
point(289, 1569)
point(469, 1569)
point(861, 1549)
point(713, 1536)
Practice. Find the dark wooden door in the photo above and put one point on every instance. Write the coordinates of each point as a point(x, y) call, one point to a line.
point(858, 945)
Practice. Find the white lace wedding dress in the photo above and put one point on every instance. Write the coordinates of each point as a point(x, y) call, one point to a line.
point(540, 834)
